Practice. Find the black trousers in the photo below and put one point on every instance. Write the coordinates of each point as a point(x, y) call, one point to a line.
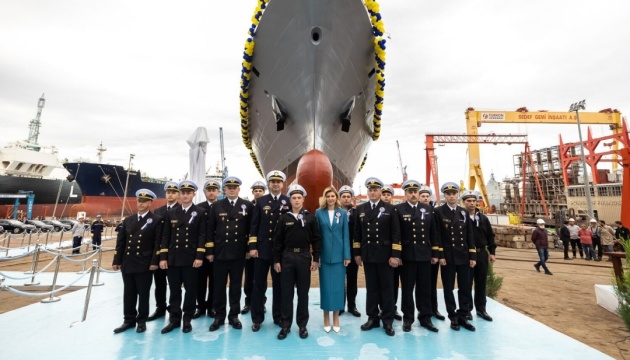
point(136, 291)
point(296, 273)
point(479, 274)
point(435, 270)
point(565, 245)
point(76, 244)
point(205, 288)
point(352, 271)
point(159, 277)
point(96, 240)
point(224, 269)
point(416, 275)
point(449, 271)
point(248, 282)
point(379, 283)
point(576, 243)
point(178, 275)
point(597, 245)
point(261, 270)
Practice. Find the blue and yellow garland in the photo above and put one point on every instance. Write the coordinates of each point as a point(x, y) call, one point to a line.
point(378, 29)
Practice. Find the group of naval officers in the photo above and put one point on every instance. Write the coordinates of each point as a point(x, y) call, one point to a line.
point(204, 247)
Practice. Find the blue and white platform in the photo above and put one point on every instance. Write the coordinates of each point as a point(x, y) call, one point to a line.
point(54, 331)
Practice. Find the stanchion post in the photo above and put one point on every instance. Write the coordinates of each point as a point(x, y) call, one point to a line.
point(98, 268)
point(31, 270)
point(8, 245)
point(54, 282)
point(89, 290)
point(36, 260)
point(85, 256)
point(61, 237)
point(47, 236)
point(30, 236)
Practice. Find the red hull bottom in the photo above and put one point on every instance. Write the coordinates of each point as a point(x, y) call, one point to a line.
point(108, 207)
point(314, 173)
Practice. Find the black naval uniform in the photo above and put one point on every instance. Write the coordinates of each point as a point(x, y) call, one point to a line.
point(293, 239)
point(248, 277)
point(183, 242)
point(456, 236)
point(96, 229)
point(228, 233)
point(352, 269)
point(420, 243)
point(376, 239)
point(137, 248)
point(159, 275)
point(205, 276)
point(264, 219)
point(484, 238)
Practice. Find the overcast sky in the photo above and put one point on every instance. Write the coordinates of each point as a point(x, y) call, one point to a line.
point(141, 76)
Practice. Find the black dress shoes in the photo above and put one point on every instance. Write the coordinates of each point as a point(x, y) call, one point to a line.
point(124, 327)
point(354, 312)
point(156, 315)
point(428, 325)
point(245, 309)
point(438, 316)
point(187, 327)
point(389, 330)
point(466, 325)
point(278, 322)
point(303, 332)
point(255, 327)
point(216, 324)
point(170, 327)
point(236, 323)
point(469, 317)
point(406, 327)
point(142, 327)
point(370, 324)
point(484, 315)
point(283, 333)
point(397, 316)
point(454, 325)
point(198, 314)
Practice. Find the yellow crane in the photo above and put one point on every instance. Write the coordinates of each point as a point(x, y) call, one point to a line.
point(475, 118)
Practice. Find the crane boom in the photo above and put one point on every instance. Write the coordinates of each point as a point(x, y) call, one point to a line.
point(223, 168)
point(34, 125)
point(474, 119)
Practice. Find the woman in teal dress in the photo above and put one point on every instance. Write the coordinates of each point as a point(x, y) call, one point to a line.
point(333, 224)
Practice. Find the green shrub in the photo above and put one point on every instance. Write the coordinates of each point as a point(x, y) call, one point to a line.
point(493, 283)
point(622, 288)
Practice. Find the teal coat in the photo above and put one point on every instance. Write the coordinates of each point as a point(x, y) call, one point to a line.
point(335, 237)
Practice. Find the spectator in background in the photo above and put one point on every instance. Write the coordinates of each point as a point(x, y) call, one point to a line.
point(586, 239)
point(540, 239)
point(574, 237)
point(597, 242)
point(622, 232)
point(607, 236)
point(565, 236)
point(97, 229)
point(77, 235)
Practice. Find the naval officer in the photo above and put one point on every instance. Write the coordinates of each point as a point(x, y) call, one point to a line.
point(228, 233)
point(258, 189)
point(171, 190)
point(376, 246)
point(205, 283)
point(420, 249)
point(387, 195)
point(266, 213)
point(456, 235)
point(485, 247)
point(346, 198)
point(295, 235)
point(424, 197)
point(136, 255)
point(181, 254)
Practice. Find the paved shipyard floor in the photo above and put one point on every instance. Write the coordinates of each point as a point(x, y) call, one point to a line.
point(54, 331)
